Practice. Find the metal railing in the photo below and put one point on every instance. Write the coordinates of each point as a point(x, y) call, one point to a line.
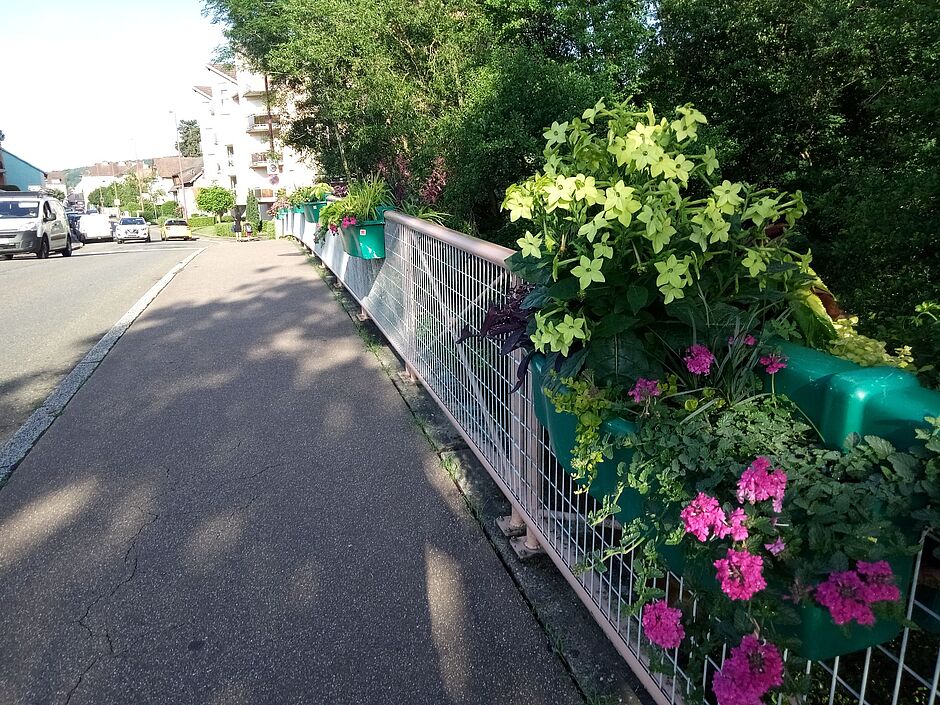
point(432, 282)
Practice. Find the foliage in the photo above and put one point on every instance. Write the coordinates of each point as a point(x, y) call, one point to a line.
point(215, 199)
point(201, 221)
point(170, 209)
point(57, 193)
point(627, 222)
point(189, 142)
point(252, 214)
point(128, 190)
point(840, 102)
point(362, 203)
point(309, 194)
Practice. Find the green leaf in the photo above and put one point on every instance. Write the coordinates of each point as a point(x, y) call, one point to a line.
point(637, 297)
point(612, 324)
point(564, 290)
point(535, 271)
point(620, 359)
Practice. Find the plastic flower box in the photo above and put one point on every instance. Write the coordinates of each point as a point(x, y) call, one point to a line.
point(364, 240)
point(312, 210)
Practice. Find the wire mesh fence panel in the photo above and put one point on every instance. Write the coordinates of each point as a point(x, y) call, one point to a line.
point(432, 283)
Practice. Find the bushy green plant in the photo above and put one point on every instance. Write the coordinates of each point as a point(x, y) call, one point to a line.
point(201, 221)
point(309, 194)
point(215, 199)
point(363, 203)
point(632, 235)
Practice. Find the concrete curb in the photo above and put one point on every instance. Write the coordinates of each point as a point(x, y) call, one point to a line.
point(15, 449)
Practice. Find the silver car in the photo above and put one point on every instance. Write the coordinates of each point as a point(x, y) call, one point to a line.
point(129, 228)
point(32, 223)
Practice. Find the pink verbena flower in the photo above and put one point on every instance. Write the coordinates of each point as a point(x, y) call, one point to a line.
point(699, 360)
point(663, 625)
point(844, 595)
point(773, 363)
point(749, 340)
point(777, 547)
point(703, 516)
point(759, 483)
point(879, 581)
point(735, 526)
point(741, 574)
point(349, 221)
point(644, 389)
point(752, 669)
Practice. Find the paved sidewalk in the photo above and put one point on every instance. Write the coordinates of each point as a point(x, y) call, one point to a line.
point(238, 508)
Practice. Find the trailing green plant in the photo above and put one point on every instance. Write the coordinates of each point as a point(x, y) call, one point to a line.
point(365, 202)
point(310, 194)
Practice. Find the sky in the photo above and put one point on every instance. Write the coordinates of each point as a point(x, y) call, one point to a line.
point(90, 81)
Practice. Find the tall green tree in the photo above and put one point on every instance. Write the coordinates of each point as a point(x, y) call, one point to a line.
point(215, 199)
point(189, 141)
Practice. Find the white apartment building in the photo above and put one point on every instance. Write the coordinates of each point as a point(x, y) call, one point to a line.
point(242, 148)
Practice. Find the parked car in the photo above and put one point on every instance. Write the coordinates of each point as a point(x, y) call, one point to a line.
point(130, 228)
point(32, 223)
point(175, 228)
point(94, 226)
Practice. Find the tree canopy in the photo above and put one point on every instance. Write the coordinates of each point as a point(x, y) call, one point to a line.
point(837, 99)
point(215, 199)
point(189, 144)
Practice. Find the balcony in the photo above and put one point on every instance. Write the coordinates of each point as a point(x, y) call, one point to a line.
point(260, 160)
point(259, 123)
point(264, 195)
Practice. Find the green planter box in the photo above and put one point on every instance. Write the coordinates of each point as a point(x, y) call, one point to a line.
point(296, 209)
point(562, 428)
point(281, 213)
point(365, 240)
point(312, 211)
point(842, 398)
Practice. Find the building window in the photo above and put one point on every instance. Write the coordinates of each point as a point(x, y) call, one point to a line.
point(230, 152)
point(233, 181)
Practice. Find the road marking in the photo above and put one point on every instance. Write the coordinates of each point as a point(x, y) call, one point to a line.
point(79, 253)
point(14, 450)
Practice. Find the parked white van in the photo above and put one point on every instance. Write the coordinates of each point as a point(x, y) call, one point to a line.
point(95, 226)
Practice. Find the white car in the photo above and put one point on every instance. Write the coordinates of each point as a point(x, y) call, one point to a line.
point(32, 223)
point(132, 229)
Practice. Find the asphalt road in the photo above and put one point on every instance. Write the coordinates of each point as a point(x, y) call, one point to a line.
point(53, 311)
point(237, 508)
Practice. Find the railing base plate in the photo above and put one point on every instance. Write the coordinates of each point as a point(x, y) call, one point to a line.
point(518, 545)
point(509, 529)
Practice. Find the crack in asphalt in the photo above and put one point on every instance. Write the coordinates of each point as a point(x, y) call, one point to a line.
point(68, 696)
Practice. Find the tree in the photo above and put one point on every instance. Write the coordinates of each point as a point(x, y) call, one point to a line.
point(57, 193)
point(252, 214)
point(215, 199)
point(190, 142)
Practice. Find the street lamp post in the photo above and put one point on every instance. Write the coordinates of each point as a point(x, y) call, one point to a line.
point(179, 156)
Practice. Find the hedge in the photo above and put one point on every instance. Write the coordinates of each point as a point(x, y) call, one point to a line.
point(201, 221)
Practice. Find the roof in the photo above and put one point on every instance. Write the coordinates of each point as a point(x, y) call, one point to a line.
point(115, 168)
point(223, 71)
point(205, 91)
point(169, 167)
point(7, 151)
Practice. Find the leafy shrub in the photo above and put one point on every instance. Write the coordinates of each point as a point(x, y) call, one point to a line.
point(201, 221)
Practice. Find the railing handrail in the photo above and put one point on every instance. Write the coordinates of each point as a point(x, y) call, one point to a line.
point(489, 251)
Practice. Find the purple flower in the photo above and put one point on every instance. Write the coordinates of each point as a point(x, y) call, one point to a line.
point(752, 669)
point(844, 595)
point(748, 340)
point(777, 547)
point(644, 389)
point(663, 625)
point(759, 483)
point(736, 526)
point(773, 363)
point(879, 581)
point(703, 516)
point(699, 360)
point(741, 574)
point(349, 221)
point(435, 183)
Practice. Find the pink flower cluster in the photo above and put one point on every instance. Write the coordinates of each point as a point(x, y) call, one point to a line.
point(663, 625)
point(773, 363)
point(644, 389)
point(849, 594)
point(759, 483)
point(699, 360)
point(752, 669)
point(349, 221)
point(435, 183)
point(748, 340)
point(741, 574)
point(703, 518)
